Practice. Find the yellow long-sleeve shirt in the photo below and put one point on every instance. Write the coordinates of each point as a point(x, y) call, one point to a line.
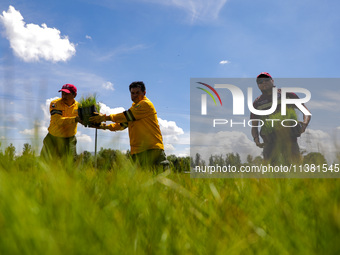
point(63, 122)
point(144, 131)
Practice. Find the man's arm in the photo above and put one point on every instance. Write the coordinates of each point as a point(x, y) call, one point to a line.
point(254, 130)
point(99, 117)
point(136, 112)
point(255, 134)
point(306, 120)
point(112, 127)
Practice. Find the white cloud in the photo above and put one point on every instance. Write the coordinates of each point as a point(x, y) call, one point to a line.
point(327, 143)
point(83, 138)
point(108, 85)
point(223, 62)
point(169, 128)
point(169, 148)
point(107, 110)
point(173, 136)
point(222, 143)
point(32, 42)
point(39, 131)
point(88, 37)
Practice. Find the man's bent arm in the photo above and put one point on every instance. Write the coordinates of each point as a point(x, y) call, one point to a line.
point(306, 120)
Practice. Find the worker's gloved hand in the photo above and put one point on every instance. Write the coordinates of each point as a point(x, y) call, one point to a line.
point(97, 126)
point(78, 120)
point(102, 126)
point(98, 118)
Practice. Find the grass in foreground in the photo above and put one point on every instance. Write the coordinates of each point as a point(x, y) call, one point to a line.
point(58, 209)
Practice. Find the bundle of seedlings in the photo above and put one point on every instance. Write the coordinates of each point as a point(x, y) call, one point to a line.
point(87, 107)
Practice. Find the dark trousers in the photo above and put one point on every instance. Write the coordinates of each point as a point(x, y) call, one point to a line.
point(58, 147)
point(151, 157)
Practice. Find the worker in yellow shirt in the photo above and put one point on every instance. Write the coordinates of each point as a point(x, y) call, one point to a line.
point(60, 140)
point(146, 140)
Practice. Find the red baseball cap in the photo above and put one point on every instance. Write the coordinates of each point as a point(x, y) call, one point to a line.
point(69, 88)
point(264, 75)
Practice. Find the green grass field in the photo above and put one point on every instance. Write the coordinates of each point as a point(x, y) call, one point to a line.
point(62, 209)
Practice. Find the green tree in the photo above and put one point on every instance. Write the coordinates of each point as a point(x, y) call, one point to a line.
point(314, 158)
point(257, 160)
point(249, 159)
point(86, 158)
point(106, 158)
point(27, 150)
point(197, 159)
point(10, 152)
point(233, 160)
point(179, 164)
point(211, 160)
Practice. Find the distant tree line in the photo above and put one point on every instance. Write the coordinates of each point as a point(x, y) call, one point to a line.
point(108, 159)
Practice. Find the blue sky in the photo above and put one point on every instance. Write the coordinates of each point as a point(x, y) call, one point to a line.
point(102, 46)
